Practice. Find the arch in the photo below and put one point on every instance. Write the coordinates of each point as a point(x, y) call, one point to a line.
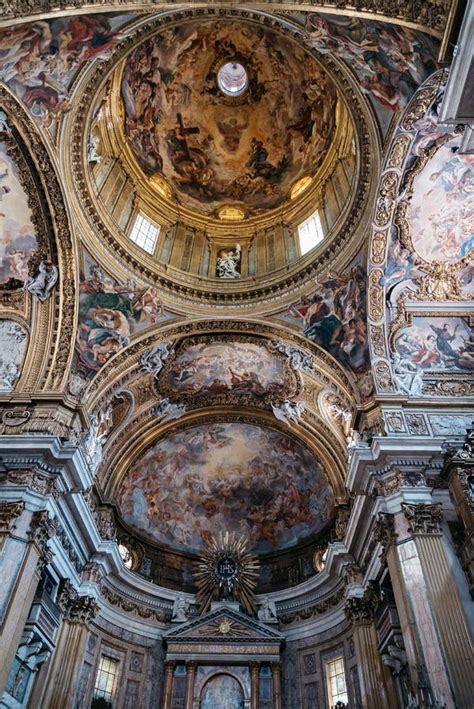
point(225, 671)
point(52, 322)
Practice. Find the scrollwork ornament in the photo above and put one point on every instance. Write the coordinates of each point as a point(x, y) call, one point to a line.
point(383, 377)
point(378, 247)
point(440, 283)
point(423, 519)
point(376, 299)
point(9, 513)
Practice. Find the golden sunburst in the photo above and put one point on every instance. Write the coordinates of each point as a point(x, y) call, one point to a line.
point(227, 571)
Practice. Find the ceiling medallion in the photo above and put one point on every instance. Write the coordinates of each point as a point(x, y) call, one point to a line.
point(227, 571)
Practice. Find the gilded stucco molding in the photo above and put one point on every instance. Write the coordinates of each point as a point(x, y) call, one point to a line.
point(53, 322)
point(429, 16)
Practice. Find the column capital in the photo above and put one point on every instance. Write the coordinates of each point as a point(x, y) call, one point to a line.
point(191, 666)
point(276, 666)
point(254, 666)
point(361, 611)
point(76, 608)
point(423, 519)
point(170, 665)
point(9, 513)
point(42, 529)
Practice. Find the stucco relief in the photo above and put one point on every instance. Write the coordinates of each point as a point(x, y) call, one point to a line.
point(13, 340)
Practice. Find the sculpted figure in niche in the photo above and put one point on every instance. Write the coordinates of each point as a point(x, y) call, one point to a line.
point(42, 283)
point(4, 127)
point(180, 609)
point(267, 611)
point(288, 412)
point(228, 263)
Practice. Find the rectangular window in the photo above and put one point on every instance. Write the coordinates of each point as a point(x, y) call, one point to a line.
point(144, 234)
point(106, 680)
point(336, 681)
point(310, 233)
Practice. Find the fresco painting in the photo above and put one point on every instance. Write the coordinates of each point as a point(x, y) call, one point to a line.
point(222, 692)
point(334, 317)
point(13, 340)
point(109, 314)
point(217, 150)
point(227, 476)
point(441, 211)
point(39, 60)
point(391, 62)
point(231, 367)
point(17, 233)
point(438, 343)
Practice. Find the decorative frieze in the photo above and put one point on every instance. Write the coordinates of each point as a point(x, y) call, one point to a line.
point(423, 519)
point(33, 479)
point(315, 610)
point(129, 606)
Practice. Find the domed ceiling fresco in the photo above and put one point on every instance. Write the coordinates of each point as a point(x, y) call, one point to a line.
point(227, 476)
point(246, 144)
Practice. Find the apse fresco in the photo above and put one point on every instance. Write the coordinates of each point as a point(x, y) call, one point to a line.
point(438, 343)
point(222, 692)
point(334, 317)
point(110, 312)
point(391, 62)
point(440, 215)
point(17, 233)
point(39, 60)
point(215, 149)
point(226, 476)
point(240, 367)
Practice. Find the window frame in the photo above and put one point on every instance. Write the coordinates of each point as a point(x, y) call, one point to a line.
point(147, 244)
point(315, 218)
point(104, 693)
point(328, 662)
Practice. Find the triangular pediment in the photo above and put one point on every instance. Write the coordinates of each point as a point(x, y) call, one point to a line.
point(223, 625)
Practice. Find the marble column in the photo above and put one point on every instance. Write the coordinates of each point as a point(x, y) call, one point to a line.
point(190, 678)
point(276, 684)
point(63, 675)
point(434, 627)
point(255, 685)
point(376, 683)
point(168, 690)
point(23, 556)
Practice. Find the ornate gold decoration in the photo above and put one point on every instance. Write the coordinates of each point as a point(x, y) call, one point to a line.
point(378, 340)
point(376, 300)
point(440, 283)
point(227, 570)
point(300, 186)
point(378, 246)
point(231, 213)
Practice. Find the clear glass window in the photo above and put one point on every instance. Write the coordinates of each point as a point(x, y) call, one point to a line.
point(310, 233)
point(336, 681)
point(106, 680)
point(144, 233)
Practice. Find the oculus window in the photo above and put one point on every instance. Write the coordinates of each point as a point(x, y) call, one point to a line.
point(310, 233)
point(232, 79)
point(336, 682)
point(106, 680)
point(144, 233)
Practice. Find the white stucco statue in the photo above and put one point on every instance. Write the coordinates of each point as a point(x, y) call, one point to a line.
point(180, 609)
point(92, 145)
point(165, 410)
point(4, 127)
point(42, 283)
point(227, 263)
point(154, 360)
point(267, 611)
point(288, 412)
point(407, 376)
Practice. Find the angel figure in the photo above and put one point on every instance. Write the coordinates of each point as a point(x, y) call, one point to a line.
point(267, 611)
point(228, 262)
point(180, 610)
point(42, 283)
point(288, 412)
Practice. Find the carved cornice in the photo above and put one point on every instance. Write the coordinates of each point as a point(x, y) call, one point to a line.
point(423, 519)
point(9, 513)
point(314, 610)
point(138, 609)
point(427, 15)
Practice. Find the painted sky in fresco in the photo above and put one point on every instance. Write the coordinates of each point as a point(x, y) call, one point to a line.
point(17, 233)
point(226, 476)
